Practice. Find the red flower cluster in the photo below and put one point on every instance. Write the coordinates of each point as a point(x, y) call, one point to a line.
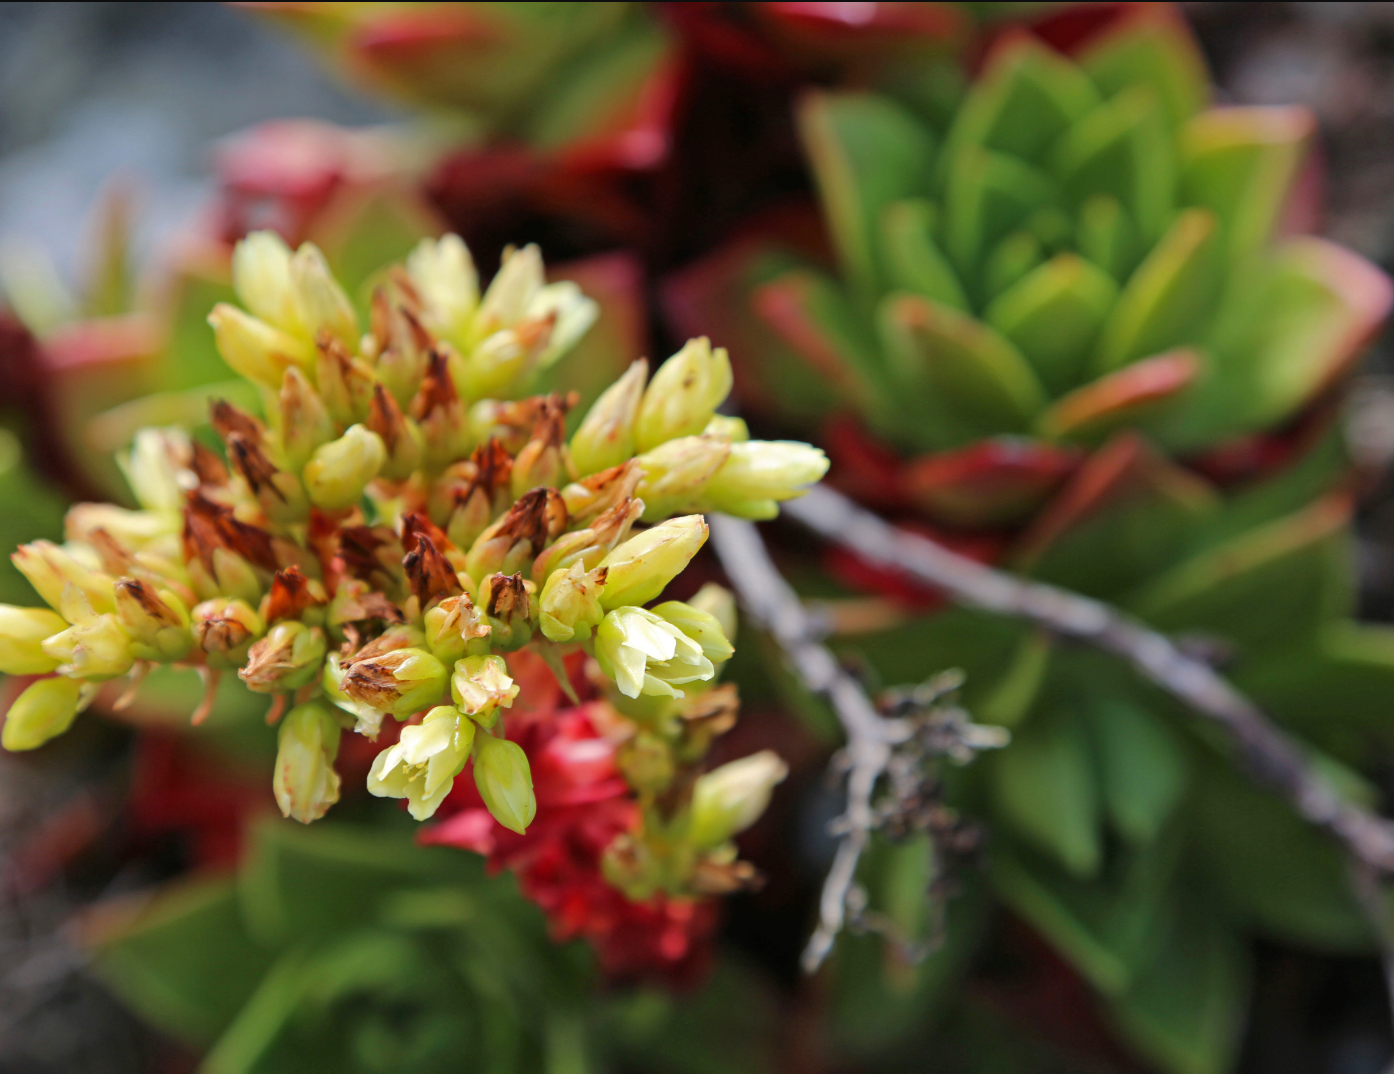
point(583, 803)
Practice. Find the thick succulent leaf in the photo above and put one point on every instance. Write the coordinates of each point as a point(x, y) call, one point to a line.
point(1127, 396)
point(1053, 315)
point(1297, 326)
point(244, 1047)
point(1122, 149)
point(1044, 786)
point(1026, 98)
point(30, 508)
point(973, 373)
point(1156, 48)
point(811, 313)
point(1281, 874)
point(1107, 927)
point(992, 482)
point(1169, 297)
point(1107, 236)
point(1185, 1009)
point(1142, 767)
point(1018, 687)
point(1275, 583)
point(912, 259)
point(1240, 163)
point(1007, 263)
point(987, 196)
point(156, 957)
point(866, 152)
point(1126, 514)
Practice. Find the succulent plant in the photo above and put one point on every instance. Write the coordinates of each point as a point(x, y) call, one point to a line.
point(1084, 247)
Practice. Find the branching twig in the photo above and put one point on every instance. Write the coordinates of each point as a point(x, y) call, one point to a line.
point(1269, 754)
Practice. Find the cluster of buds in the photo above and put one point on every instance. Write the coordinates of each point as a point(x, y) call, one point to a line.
point(397, 526)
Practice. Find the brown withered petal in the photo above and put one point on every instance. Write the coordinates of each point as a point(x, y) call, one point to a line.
point(508, 597)
point(368, 550)
point(437, 387)
point(713, 712)
point(429, 573)
point(532, 335)
point(209, 526)
point(549, 426)
point(228, 419)
point(207, 467)
point(371, 683)
point(724, 878)
point(290, 595)
point(602, 491)
point(220, 635)
point(385, 417)
point(253, 464)
point(415, 524)
point(116, 558)
point(149, 603)
point(539, 516)
point(388, 641)
point(366, 606)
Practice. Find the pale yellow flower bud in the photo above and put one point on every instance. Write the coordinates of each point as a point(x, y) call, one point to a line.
point(157, 622)
point(50, 569)
point(96, 649)
point(729, 799)
point(480, 686)
point(303, 421)
point(758, 474)
point(700, 626)
point(570, 603)
point(606, 436)
point(676, 473)
point(305, 783)
point(255, 349)
point(261, 278)
point(45, 710)
point(444, 274)
point(22, 634)
point(570, 314)
point(683, 395)
point(639, 569)
point(512, 291)
point(645, 654)
point(422, 766)
point(340, 470)
point(157, 468)
point(452, 625)
point(504, 780)
point(322, 302)
point(720, 603)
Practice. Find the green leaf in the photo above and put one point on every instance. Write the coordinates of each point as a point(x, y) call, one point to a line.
point(1185, 1010)
point(1136, 395)
point(1122, 149)
point(1240, 164)
point(1283, 875)
point(1019, 685)
point(1026, 98)
point(1142, 768)
point(1053, 315)
point(979, 376)
point(30, 508)
point(1272, 584)
point(913, 260)
point(987, 196)
point(158, 958)
point(1107, 237)
point(1154, 48)
point(866, 152)
point(1008, 262)
point(1044, 786)
point(241, 1049)
point(1108, 926)
point(1169, 297)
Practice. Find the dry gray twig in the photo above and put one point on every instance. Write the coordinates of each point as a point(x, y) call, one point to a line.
point(1270, 756)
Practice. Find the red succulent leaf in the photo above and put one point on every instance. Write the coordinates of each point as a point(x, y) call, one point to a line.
point(1121, 396)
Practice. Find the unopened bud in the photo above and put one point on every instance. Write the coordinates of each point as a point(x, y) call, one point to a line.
point(401, 436)
point(303, 421)
point(225, 630)
point(279, 492)
point(255, 349)
point(645, 654)
point(96, 649)
point(287, 658)
point(401, 682)
point(700, 626)
point(261, 278)
point(22, 634)
point(512, 290)
point(640, 568)
point(367, 720)
point(322, 302)
point(452, 625)
point(345, 384)
point(480, 686)
point(422, 766)
point(440, 414)
point(305, 782)
point(45, 710)
point(507, 601)
point(444, 274)
point(570, 603)
point(158, 468)
point(504, 780)
point(340, 470)
point(720, 603)
point(758, 474)
point(683, 395)
point(677, 472)
point(729, 799)
point(51, 568)
point(606, 436)
point(157, 622)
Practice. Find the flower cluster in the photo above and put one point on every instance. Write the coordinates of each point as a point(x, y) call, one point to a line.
point(396, 525)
